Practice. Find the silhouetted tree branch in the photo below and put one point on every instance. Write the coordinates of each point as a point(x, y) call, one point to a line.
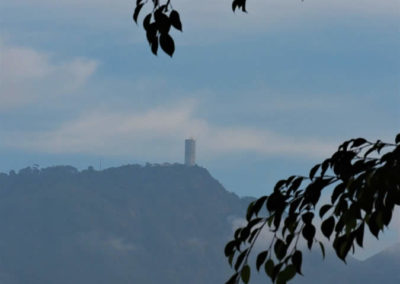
point(158, 22)
point(365, 181)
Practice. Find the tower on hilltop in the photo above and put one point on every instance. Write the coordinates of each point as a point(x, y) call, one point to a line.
point(190, 152)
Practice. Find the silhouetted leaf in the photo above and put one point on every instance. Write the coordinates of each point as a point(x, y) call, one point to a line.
point(154, 46)
point(151, 33)
point(307, 217)
point(297, 260)
point(339, 189)
point(309, 233)
point(285, 275)
point(245, 274)
point(233, 279)
point(324, 209)
point(314, 170)
point(269, 267)
point(280, 249)
point(296, 183)
point(258, 204)
point(240, 259)
point(373, 224)
point(327, 226)
point(146, 21)
point(167, 44)
point(175, 20)
point(397, 140)
point(229, 248)
point(358, 142)
point(261, 259)
point(163, 22)
point(276, 201)
point(137, 11)
point(325, 166)
point(360, 235)
point(239, 4)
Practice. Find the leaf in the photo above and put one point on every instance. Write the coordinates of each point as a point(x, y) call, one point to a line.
point(314, 170)
point(324, 209)
point(269, 267)
point(154, 46)
point(175, 20)
point(279, 184)
point(285, 275)
point(240, 259)
point(295, 184)
point(358, 142)
point(146, 21)
point(309, 233)
point(307, 217)
point(289, 239)
point(258, 204)
point(373, 225)
point(167, 44)
point(280, 249)
point(233, 279)
point(235, 4)
point(325, 166)
point(250, 211)
point(397, 140)
point(261, 259)
point(245, 274)
point(163, 22)
point(297, 260)
point(137, 11)
point(339, 189)
point(151, 33)
point(327, 226)
point(275, 273)
point(360, 235)
point(229, 248)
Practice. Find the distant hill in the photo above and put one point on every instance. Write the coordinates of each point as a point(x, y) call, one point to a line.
point(132, 224)
point(135, 224)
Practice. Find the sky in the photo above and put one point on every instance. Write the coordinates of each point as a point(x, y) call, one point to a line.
point(266, 94)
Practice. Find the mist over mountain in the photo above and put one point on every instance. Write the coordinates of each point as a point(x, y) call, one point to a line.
point(136, 224)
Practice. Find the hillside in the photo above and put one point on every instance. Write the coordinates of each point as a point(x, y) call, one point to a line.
point(137, 224)
point(132, 224)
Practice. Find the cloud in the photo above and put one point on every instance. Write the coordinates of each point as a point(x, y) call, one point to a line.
point(30, 76)
point(104, 242)
point(159, 133)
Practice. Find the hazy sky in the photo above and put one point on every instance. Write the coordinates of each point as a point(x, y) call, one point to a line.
point(266, 94)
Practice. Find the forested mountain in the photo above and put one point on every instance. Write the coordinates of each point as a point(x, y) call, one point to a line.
point(133, 224)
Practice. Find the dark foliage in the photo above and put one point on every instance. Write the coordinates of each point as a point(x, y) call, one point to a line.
point(159, 21)
point(157, 25)
point(365, 182)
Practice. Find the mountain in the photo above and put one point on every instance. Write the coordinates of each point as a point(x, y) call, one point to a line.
point(138, 224)
point(131, 224)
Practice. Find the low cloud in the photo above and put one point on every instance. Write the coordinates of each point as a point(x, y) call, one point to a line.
point(158, 133)
point(104, 242)
point(30, 76)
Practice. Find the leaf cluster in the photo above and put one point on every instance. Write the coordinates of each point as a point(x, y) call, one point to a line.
point(365, 181)
point(157, 25)
point(158, 22)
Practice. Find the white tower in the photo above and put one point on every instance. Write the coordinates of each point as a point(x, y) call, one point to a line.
point(190, 152)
